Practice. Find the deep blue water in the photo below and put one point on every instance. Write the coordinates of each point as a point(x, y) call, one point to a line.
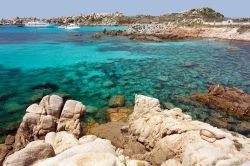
point(93, 70)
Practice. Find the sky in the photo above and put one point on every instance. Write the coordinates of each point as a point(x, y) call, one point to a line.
point(53, 8)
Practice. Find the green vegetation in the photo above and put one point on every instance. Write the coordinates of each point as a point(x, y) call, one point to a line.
point(188, 18)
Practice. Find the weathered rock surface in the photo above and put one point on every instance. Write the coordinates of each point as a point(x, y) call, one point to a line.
point(38, 120)
point(47, 116)
point(61, 141)
point(170, 134)
point(151, 136)
point(70, 117)
point(33, 152)
point(232, 100)
point(4, 150)
point(91, 151)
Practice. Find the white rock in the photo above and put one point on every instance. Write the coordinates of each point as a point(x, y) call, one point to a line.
point(90, 159)
point(52, 104)
point(61, 141)
point(206, 154)
point(33, 152)
point(34, 108)
point(87, 139)
point(70, 117)
point(97, 146)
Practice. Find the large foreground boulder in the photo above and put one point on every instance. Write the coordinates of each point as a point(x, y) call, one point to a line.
point(91, 151)
point(50, 115)
point(172, 136)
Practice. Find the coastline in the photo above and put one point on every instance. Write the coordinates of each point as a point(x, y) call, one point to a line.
point(149, 136)
point(198, 116)
point(189, 33)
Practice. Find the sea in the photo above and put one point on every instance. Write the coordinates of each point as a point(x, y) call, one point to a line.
point(35, 62)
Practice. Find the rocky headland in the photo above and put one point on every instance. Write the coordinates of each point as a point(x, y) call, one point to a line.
point(51, 134)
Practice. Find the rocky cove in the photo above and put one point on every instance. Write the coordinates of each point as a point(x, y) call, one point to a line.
point(52, 133)
point(83, 109)
point(169, 71)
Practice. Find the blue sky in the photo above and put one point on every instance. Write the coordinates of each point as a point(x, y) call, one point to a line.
point(50, 8)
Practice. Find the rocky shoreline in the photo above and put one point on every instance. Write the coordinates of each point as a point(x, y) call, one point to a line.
point(190, 24)
point(51, 134)
point(162, 32)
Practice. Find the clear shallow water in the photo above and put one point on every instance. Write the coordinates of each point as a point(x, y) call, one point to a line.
point(93, 70)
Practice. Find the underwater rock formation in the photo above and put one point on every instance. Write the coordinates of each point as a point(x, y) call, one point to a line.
point(118, 114)
point(117, 101)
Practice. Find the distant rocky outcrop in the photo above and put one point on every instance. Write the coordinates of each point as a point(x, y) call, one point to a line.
point(91, 19)
point(194, 16)
point(189, 17)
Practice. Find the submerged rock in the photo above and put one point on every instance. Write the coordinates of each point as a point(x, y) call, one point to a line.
point(97, 35)
point(6, 96)
point(145, 38)
point(233, 48)
point(168, 105)
point(36, 97)
point(91, 109)
point(49, 86)
point(75, 34)
point(108, 84)
point(110, 131)
point(118, 114)
point(117, 101)
point(13, 107)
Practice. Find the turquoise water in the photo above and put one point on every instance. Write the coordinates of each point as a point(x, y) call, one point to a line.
point(36, 62)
